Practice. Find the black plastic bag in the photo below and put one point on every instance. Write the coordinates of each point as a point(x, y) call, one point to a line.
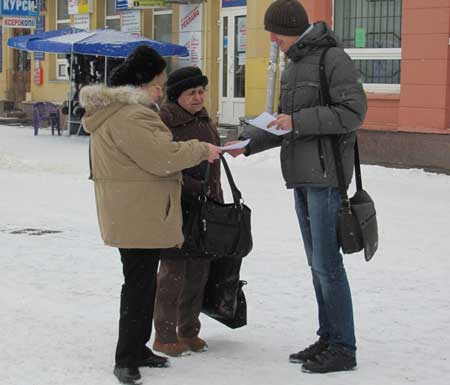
point(224, 300)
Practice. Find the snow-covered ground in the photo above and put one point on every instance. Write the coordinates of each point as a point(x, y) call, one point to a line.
point(59, 290)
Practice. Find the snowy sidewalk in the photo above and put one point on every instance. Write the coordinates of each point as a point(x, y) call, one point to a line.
point(59, 291)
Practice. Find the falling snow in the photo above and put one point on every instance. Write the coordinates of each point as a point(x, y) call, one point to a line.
point(60, 285)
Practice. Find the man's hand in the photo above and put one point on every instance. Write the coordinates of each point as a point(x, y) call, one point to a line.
point(214, 152)
point(282, 122)
point(236, 152)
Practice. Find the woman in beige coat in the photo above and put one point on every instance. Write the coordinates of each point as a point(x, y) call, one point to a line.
point(136, 168)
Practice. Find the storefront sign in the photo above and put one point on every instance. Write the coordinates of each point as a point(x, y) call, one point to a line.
point(40, 27)
point(121, 5)
point(19, 8)
point(80, 6)
point(19, 22)
point(146, 3)
point(190, 24)
point(130, 22)
point(233, 3)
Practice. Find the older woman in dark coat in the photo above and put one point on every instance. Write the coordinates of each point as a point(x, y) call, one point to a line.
point(182, 277)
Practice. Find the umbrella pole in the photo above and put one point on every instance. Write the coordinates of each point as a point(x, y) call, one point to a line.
point(106, 69)
point(70, 93)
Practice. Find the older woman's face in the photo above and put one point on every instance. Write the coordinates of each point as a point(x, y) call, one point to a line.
point(155, 89)
point(193, 99)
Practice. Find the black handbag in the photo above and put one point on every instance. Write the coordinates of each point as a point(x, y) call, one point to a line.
point(215, 229)
point(357, 227)
point(224, 299)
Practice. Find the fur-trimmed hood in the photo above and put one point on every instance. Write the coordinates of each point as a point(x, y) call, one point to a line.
point(101, 102)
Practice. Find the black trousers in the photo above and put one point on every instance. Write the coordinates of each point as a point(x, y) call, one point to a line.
point(137, 299)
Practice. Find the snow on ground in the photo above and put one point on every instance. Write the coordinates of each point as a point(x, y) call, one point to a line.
point(59, 290)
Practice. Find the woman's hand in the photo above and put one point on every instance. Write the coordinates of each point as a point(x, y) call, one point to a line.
point(214, 152)
point(237, 151)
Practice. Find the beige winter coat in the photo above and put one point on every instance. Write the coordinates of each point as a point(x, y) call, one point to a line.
point(136, 168)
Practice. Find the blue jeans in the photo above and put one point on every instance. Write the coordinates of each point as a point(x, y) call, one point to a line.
point(316, 211)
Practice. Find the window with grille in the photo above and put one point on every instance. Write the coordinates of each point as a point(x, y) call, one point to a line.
point(370, 31)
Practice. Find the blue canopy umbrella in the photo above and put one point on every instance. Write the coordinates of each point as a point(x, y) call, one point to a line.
point(20, 42)
point(101, 42)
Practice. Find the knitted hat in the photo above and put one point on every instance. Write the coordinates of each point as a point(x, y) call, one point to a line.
point(140, 67)
point(183, 79)
point(286, 17)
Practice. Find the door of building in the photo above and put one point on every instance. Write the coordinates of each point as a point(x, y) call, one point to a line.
point(21, 70)
point(233, 27)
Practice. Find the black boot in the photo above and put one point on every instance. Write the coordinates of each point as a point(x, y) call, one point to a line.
point(152, 360)
point(127, 375)
point(333, 359)
point(310, 352)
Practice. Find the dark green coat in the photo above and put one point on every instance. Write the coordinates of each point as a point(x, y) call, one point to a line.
point(306, 153)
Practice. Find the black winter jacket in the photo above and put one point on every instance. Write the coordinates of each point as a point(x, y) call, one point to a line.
point(306, 152)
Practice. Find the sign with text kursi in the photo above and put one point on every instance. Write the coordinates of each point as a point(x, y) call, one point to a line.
point(26, 8)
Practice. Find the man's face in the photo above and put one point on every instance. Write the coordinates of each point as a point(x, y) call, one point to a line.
point(284, 42)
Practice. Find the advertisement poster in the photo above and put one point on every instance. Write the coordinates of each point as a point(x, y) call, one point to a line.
point(130, 22)
point(190, 23)
point(79, 6)
point(242, 34)
point(82, 21)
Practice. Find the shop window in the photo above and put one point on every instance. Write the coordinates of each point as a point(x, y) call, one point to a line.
point(62, 22)
point(370, 31)
point(162, 30)
point(112, 17)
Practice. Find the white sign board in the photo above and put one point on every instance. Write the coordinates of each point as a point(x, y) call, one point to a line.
point(130, 22)
point(82, 21)
point(190, 23)
point(19, 22)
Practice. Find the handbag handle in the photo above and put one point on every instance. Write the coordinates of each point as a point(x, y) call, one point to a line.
point(326, 101)
point(237, 196)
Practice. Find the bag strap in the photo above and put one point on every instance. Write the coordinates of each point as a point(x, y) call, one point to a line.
point(326, 101)
point(237, 196)
point(90, 161)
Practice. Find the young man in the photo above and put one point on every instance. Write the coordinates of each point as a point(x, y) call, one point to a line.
point(308, 167)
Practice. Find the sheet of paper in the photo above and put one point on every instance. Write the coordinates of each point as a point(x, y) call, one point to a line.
point(263, 120)
point(236, 146)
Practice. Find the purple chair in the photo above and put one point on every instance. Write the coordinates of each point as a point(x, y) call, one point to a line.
point(46, 111)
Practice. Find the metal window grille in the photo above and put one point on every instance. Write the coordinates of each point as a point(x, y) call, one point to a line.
point(370, 30)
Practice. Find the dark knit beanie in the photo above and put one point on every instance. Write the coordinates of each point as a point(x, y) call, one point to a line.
point(183, 79)
point(140, 67)
point(286, 17)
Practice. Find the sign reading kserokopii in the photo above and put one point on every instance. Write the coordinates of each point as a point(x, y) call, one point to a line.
point(27, 8)
point(19, 22)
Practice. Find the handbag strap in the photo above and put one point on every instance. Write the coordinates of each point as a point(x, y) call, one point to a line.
point(237, 196)
point(326, 101)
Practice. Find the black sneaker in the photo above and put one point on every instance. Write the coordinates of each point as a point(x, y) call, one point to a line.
point(310, 352)
point(333, 359)
point(152, 360)
point(127, 375)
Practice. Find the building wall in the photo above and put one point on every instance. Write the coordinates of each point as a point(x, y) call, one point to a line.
point(423, 103)
point(57, 90)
